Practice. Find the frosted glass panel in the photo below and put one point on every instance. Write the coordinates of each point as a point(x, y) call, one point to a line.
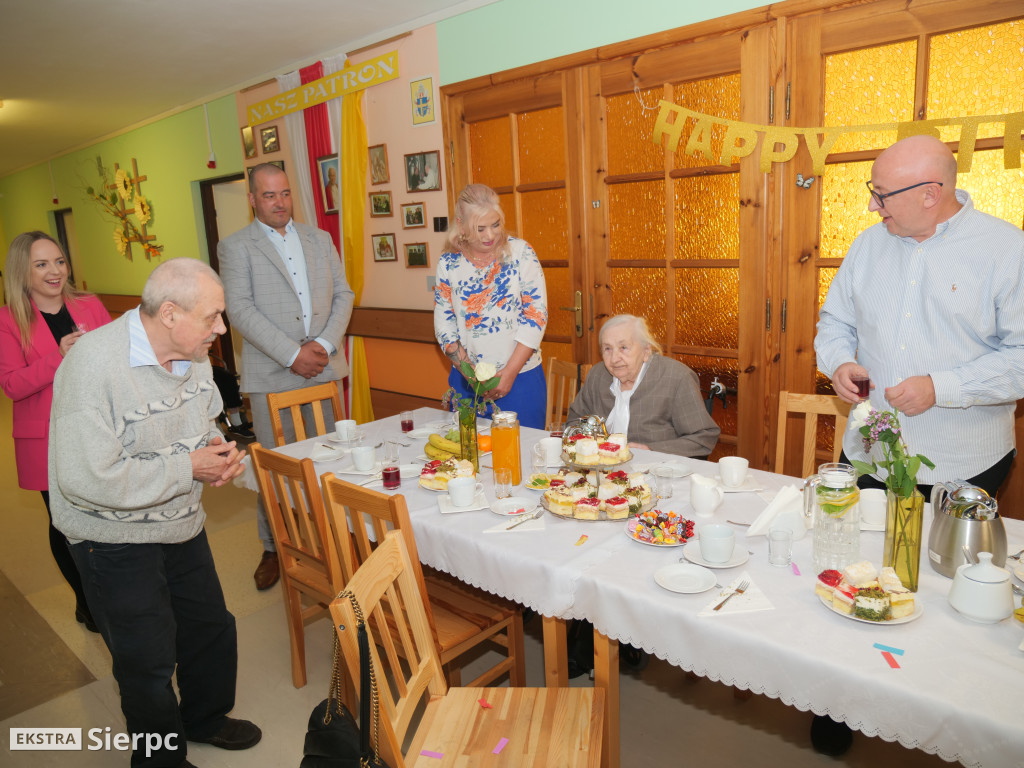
point(544, 223)
point(976, 72)
point(508, 206)
point(707, 307)
point(641, 291)
point(541, 146)
point(825, 277)
point(636, 221)
point(629, 127)
point(844, 207)
point(490, 143)
point(869, 86)
point(715, 96)
point(994, 189)
point(707, 217)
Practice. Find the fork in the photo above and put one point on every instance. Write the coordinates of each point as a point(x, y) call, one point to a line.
point(374, 478)
point(740, 589)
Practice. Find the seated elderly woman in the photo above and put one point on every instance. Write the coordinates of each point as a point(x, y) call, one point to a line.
point(654, 400)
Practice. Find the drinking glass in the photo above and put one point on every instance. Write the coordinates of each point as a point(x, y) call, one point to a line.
point(863, 384)
point(540, 458)
point(391, 474)
point(406, 419)
point(663, 482)
point(557, 427)
point(780, 547)
point(502, 482)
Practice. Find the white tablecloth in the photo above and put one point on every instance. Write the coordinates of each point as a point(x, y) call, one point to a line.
point(957, 692)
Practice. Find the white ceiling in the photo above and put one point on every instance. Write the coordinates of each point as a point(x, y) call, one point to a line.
point(75, 71)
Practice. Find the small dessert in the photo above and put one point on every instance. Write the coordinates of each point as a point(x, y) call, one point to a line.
point(844, 596)
point(608, 490)
point(573, 478)
point(436, 474)
point(560, 502)
point(569, 447)
point(587, 508)
point(586, 451)
point(871, 603)
point(640, 491)
point(579, 491)
point(826, 584)
point(901, 599)
point(609, 452)
point(860, 574)
point(619, 478)
point(616, 508)
point(618, 437)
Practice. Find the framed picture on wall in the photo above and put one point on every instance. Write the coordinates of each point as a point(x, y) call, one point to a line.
point(248, 143)
point(384, 247)
point(413, 215)
point(269, 140)
point(416, 255)
point(380, 204)
point(379, 173)
point(330, 172)
point(423, 171)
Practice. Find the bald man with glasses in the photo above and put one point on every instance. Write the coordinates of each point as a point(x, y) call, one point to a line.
point(929, 303)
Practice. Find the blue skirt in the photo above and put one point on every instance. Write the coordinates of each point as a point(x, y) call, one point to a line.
point(528, 398)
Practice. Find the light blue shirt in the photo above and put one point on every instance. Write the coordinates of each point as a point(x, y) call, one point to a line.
point(140, 350)
point(289, 248)
point(951, 307)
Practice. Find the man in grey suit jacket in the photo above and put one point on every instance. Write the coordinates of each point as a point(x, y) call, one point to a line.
point(287, 295)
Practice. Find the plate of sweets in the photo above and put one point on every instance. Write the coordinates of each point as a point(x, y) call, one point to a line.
point(578, 497)
point(862, 593)
point(660, 529)
point(581, 450)
point(435, 474)
point(542, 481)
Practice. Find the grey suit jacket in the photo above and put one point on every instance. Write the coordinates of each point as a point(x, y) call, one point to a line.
point(666, 412)
point(263, 305)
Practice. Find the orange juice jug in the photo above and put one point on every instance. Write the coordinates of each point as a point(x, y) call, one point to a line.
point(505, 444)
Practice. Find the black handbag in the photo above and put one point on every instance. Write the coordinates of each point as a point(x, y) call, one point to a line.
point(333, 740)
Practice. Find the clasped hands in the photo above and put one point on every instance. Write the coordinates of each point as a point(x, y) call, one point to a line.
point(311, 361)
point(913, 395)
point(217, 463)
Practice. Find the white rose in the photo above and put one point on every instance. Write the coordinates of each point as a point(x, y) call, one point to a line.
point(859, 414)
point(484, 371)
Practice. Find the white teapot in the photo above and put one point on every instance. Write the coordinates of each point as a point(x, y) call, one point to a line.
point(982, 591)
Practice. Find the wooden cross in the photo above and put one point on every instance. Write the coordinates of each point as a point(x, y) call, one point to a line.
point(136, 181)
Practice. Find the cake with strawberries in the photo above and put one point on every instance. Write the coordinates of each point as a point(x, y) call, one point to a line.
point(436, 474)
point(863, 592)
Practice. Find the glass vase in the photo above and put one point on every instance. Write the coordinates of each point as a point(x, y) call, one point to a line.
point(467, 438)
point(904, 518)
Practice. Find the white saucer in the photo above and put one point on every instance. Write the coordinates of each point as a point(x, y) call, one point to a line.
point(692, 553)
point(1018, 571)
point(872, 526)
point(684, 578)
point(444, 503)
point(333, 437)
point(749, 485)
point(513, 505)
point(678, 468)
point(430, 429)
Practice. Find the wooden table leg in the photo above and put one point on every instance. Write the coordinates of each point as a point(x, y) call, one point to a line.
point(606, 675)
point(556, 663)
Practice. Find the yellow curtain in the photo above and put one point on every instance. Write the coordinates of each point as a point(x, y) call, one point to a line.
point(353, 211)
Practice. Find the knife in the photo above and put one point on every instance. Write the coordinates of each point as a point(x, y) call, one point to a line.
point(529, 516)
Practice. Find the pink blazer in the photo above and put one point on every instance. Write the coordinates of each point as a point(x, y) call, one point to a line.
point(26, 376)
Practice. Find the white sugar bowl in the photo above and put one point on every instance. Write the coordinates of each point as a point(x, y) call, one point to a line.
point(982, 591)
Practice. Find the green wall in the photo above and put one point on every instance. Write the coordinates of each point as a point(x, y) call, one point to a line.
point(171, 153)
point(512, 33)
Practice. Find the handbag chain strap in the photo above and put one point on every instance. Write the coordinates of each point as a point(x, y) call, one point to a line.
point(335, 693)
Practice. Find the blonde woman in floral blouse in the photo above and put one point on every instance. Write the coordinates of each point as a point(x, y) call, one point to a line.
point(490, 305)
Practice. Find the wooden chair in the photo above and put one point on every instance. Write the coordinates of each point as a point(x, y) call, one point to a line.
point(460, 617)
point(309, 576)
point(533, 726)
point(561, 378)
point(811, 406)
point(294, 399)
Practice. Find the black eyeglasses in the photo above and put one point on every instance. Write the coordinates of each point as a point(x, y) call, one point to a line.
point(880, 199)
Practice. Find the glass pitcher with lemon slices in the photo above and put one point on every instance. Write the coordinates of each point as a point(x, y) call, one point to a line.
point(831, 501)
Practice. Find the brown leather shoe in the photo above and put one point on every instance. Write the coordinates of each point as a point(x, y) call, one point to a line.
point(268, 571)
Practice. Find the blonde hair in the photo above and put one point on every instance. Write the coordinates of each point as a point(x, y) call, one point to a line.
point(641, 331)
point(474, 202)
point(17, 282)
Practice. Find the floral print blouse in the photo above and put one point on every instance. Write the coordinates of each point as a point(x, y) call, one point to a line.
point(491, 309)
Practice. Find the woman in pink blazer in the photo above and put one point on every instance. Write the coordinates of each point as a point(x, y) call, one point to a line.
point(45, 315)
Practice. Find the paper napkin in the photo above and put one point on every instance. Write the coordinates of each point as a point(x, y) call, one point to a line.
point(325, 452)
point(752, 599)
point(787, 507)
point(531, 525)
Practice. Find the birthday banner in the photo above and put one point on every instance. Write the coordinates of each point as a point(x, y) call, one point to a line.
point(779, 144)
point(344, 81)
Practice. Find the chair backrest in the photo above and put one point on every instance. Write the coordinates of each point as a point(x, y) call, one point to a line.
point(295, 509)
point(294, 399)
point(405, 662)
point(561, 377)
point(811, 406)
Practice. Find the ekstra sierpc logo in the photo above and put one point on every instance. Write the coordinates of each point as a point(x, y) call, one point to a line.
point(48, 739)
point(97, 739)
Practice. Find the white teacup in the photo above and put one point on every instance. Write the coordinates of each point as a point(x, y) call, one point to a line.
point(872, 507)
point(552, 448)
point(345, 429)
point(733, 470)
point(705, 495)
point(364, 457)
point(716, 542)
point(462, 490)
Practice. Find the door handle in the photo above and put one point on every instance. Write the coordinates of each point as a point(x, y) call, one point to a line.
point(578, 310)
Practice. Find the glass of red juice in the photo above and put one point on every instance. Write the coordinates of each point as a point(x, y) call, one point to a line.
point(863, 385)
point(390, 474)
point(406, 419)
point(556, 429)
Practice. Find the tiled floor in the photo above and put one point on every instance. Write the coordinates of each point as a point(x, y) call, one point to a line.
point(53, 673)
